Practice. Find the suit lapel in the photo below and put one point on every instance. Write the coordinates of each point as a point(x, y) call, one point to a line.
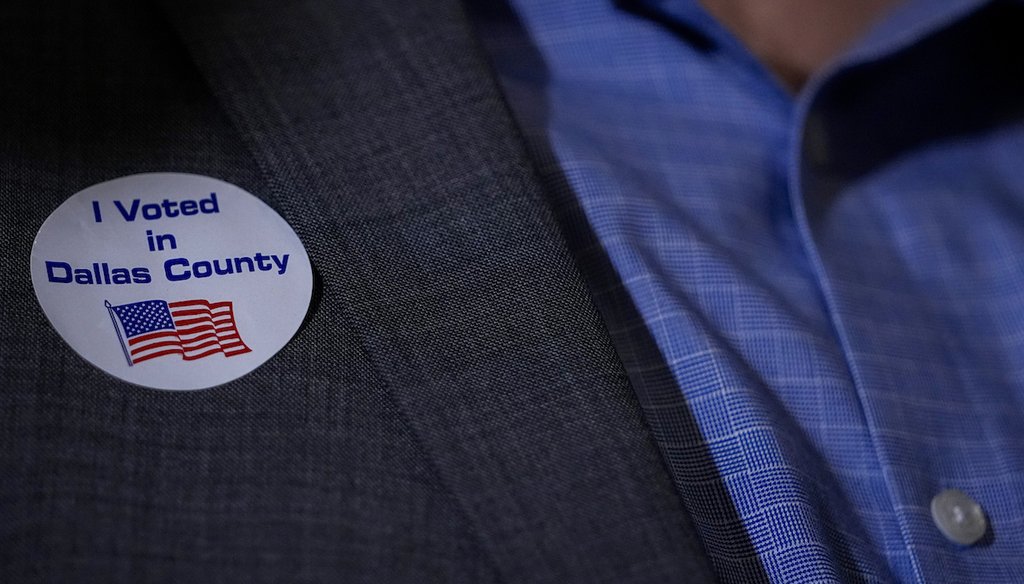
point(384, 141)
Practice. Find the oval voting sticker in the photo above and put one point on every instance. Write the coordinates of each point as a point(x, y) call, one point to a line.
point(171, 281)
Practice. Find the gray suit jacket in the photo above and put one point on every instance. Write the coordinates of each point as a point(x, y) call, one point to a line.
point(452, 409)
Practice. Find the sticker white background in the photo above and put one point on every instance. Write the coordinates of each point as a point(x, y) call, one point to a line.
point(161, 238)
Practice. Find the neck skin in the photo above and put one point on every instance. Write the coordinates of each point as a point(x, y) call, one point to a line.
point(797, 38)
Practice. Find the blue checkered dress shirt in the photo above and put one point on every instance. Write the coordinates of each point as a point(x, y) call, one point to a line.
point(833, 281)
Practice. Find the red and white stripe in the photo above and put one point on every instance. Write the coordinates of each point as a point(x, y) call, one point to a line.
point(202, 329)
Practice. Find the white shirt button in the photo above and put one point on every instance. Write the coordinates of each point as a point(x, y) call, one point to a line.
point(959, 517)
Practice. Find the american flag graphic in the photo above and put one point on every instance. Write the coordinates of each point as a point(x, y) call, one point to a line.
point(192, 329)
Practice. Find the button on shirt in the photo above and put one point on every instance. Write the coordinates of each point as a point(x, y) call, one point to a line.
point(833, 282)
